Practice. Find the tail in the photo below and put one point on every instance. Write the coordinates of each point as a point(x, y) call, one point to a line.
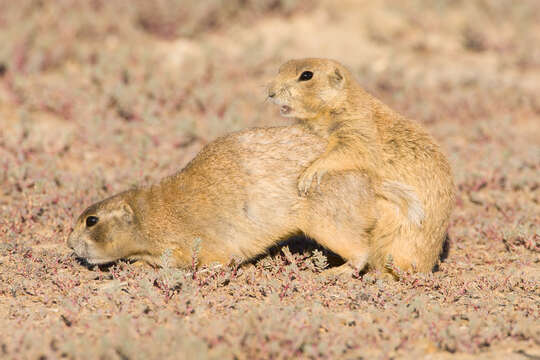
point(405, 197)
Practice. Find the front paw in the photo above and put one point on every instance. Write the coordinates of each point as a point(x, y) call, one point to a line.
point(313, 172)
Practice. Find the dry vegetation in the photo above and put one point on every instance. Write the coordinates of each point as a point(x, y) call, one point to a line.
point(96, 96)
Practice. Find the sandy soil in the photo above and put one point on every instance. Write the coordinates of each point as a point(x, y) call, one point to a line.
point(96, 96)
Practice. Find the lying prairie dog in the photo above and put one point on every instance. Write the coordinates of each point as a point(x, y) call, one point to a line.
point(239, 197)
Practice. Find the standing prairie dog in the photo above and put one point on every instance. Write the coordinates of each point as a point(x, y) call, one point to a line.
point(404, 164)
point(239, 197)
point(362, 133)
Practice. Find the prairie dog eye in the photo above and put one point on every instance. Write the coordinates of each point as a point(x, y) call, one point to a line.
point(91, 221)
point(305, 76)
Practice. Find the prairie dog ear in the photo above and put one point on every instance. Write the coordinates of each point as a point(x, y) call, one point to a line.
point(337, 79)
point(127, 213)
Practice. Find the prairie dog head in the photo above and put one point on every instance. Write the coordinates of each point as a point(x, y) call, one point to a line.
point(106, 231)
point(306, 88)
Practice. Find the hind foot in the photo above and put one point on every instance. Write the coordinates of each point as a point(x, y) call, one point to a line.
point(349, 268)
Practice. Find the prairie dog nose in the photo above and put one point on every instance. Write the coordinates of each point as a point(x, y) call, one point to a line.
point(70, 242)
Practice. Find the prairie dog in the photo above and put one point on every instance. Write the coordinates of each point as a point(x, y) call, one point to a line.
point(362, 133)
point(239, 197)
point(403, 162)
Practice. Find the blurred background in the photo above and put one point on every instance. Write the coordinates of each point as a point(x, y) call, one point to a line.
point(135, 86)
point(99, 95)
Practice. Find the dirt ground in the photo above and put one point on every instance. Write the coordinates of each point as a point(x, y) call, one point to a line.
point(96, 96)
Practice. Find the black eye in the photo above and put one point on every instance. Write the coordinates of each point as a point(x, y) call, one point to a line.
point(91, 221)
point(305, 76)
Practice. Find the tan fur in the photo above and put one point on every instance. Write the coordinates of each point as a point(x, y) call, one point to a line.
point(403, 162)
point(239, 197)
point(332, 105)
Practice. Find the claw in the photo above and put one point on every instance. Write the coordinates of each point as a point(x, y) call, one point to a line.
point(305, 183)
point(320, 175)
point(312, 173)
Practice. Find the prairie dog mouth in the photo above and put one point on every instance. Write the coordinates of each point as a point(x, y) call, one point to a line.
point(285, 109)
